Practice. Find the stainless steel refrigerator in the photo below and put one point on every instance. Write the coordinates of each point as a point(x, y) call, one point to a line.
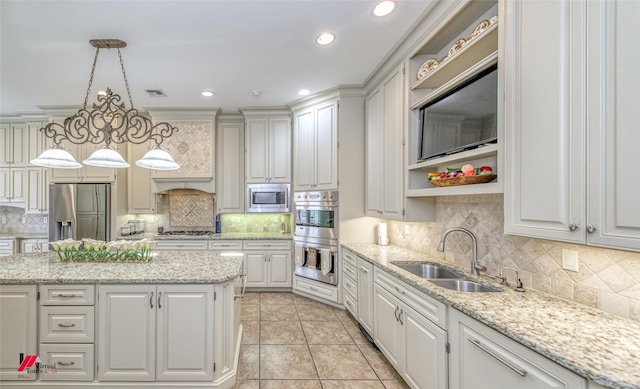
point(79, 211)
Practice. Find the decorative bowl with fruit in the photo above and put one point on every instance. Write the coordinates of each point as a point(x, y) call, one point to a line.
point(465, 175)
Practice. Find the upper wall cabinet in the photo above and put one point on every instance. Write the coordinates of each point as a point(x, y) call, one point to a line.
point(14, 150)
point(571, 129)
point(192, 146)
point(385, 110)
point(230, 155)
point(268, 146)
point(462, 43)
point(315, 150)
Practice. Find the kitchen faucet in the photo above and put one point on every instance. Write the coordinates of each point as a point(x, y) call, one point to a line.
point(475, 267)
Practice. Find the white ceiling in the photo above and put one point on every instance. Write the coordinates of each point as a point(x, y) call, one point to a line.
point(184, 47)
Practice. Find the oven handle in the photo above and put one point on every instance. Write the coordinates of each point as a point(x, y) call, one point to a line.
point(316, 206)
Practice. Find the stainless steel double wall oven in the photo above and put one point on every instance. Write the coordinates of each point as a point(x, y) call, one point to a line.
point(316, 236)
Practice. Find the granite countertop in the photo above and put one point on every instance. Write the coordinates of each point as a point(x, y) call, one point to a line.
point(592, 343)
point(165, 267)
point(222, 236)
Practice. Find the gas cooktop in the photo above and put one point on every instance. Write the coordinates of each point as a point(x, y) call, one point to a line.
point(189, 233)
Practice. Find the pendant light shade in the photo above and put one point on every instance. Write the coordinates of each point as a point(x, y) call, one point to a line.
point(106, 158)
point(157, 159)
point(56, 158)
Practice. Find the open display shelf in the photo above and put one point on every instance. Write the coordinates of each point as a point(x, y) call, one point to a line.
point(473, 52)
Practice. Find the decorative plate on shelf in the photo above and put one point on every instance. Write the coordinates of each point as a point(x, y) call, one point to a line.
point(466, 180)
point(427, 67)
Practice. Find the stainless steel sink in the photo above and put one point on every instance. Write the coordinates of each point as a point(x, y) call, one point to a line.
point(427, 270)
point(465, 286)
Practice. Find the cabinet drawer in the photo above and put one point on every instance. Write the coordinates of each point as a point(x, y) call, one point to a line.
point(351, 287)
point(351, 305)
point(349, 257)
point(350, 270)
point(313, 288)
point(427, 306)
point(266, 245)
point(67, 295)
point(182, 245)
point(73, 362)
point(67, 324)
point(225, 245)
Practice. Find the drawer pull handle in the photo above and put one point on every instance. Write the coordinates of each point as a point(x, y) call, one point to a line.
point(364, 270)
point(159, 297)
point(312, 288)
point(477, 343)
point(66, 295)
point(62, 363)
point(63, 325)
point(396, 314)
point(400, 290)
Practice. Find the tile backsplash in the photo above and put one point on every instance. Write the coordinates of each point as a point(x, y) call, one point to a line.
point(269, 222)
point(607, 279)
point(12, 222)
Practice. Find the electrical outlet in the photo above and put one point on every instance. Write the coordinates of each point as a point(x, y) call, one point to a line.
point(407, 229)
point(45, 220)
point(570, 260)
point(24, 220)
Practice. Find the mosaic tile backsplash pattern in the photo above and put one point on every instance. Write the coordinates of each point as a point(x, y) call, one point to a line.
point(34, 223)
point(256, 223)
point(607, 279)
point(191, 209)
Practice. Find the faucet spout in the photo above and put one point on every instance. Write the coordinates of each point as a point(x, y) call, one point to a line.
point(475, 267)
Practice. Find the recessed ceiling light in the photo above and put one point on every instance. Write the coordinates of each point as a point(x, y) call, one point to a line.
point(303, 92)
point(325, 38)
point(383, 8)
point(207, 93)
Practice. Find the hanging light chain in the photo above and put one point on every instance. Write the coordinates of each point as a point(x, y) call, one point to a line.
point(126, 82)
point(93, 69)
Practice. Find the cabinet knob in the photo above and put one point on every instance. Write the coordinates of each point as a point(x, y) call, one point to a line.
point(573, 226)
point(590, 228)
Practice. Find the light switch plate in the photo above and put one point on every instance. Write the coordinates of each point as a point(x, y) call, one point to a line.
point(24, 220)
point(570, 260)
point(4, 220)
point(45, 220)
point(407, 229)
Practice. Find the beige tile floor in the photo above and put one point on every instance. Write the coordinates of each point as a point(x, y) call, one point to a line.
point(293, 342)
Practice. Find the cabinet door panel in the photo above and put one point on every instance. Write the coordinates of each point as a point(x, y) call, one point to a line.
point(257, 138)
point(185, 332)
point(365, 295)
point(18, 320)
point(255, 267)
point(387, 335)
point(374, 171)
point(230, 154)
point(280, 269)
point(614, 139)
point(304, 153)
point(425, 357)
point(544, 118)
point(140, 197)
point(280, 150)
point(326, 152)
point(392, 142)
point(127, 332)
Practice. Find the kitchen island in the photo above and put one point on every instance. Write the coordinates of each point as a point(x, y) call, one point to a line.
point(170, 322)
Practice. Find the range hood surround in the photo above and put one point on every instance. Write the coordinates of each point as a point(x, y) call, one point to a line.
point(164, 185)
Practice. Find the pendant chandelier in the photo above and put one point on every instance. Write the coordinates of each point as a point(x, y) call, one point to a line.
point(110, 124)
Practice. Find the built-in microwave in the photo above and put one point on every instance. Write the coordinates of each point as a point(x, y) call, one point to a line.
point(269, 198)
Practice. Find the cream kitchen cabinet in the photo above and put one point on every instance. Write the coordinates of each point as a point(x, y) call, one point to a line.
point(67, 331)
point(365, 295)
point(181, 245)
point(14, 150)
point(483, 358)
point(13, 186)
point(268, 264)
point(350, 282)
point(230, 186)
point(315, 151)
point(140, 196)
point(143, 334)
point(37, 192)
point(409, 328)
point(581, 118)
point(8, 247)
point(384, 148)
point(34, 246)
point(268, 146)
point(19, 335)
